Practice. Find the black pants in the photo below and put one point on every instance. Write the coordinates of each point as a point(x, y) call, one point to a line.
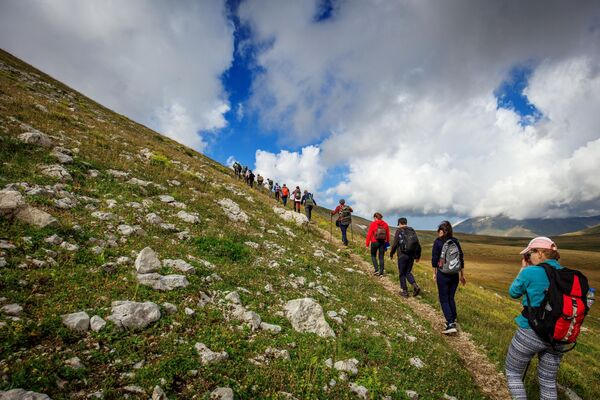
point(377, 247)
point(405, 266)
point(308, 211)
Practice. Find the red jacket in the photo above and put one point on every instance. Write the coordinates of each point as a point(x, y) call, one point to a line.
point(373, 227)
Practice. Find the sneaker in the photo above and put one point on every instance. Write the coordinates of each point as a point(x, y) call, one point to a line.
point(416, 291)
point(450, 328)
point(404, 294)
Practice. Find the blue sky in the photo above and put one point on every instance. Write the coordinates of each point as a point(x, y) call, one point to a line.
point(428, 110)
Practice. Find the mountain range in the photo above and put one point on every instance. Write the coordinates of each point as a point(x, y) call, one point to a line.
point(531, 227)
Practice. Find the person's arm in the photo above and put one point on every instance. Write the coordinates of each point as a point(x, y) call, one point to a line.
point(335, 211)
point(387, 233)
point(396, 243)
point(369, 233)
point(418, 252)
point(519, 286)
point(436, 252)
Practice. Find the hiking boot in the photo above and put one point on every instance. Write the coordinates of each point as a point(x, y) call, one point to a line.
point(416, 291)
point(380, 273)
point(450, 328)
point(404, 293)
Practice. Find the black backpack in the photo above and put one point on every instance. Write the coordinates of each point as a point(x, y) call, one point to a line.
point(559, 317)
point(408, 240)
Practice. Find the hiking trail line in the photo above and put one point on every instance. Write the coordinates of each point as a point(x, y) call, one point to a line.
point(488, 379)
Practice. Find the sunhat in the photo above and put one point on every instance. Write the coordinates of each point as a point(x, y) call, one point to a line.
point(540, 242)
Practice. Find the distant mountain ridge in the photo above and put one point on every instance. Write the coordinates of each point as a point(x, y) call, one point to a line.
point(504, 226)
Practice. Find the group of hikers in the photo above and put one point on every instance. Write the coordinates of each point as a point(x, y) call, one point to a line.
point(555, 301)
point(281, 193)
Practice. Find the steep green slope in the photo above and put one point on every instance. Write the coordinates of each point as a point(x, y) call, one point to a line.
point(108, 209)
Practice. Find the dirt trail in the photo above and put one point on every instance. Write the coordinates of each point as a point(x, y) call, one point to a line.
point(490, 381)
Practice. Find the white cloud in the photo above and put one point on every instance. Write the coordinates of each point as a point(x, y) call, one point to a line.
point(157, 62)
point(304, 168)
point(402, 93)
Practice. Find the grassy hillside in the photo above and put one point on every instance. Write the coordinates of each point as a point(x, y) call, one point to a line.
point(119, 170)
point(486, 311)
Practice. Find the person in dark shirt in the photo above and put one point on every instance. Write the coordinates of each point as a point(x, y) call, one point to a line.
point(407, 244)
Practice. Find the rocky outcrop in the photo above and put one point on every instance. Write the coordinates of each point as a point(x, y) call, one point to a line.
point(134, 315)
point(233, 210)
point(147, 261)
point(79, 321)
point(207, 356)
point(22, 394)
point(37, 138)
point(298, 218)
point(163, 282)
point(12, 205)
point(306, 315)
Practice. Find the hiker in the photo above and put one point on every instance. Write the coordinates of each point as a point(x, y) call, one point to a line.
point(270, 183)
point(260, 180)
point(378, 240)
point(237, 169)
point(447, 260)
point(406, 242)
point(539, 262)
point(285, 193)
point(247, 175)
point(297, 196)
point(309, 202)
point(277, 191)
point(251, 178)
point(344, 219)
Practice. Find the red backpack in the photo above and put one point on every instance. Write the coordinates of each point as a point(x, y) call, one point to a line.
point(559, 317)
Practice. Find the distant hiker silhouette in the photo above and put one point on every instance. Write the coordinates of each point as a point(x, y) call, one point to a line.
point(344, 219)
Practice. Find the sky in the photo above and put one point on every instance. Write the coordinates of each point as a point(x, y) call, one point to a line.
point(424, 109)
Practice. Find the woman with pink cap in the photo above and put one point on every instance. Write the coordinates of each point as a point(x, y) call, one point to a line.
point(531, 283)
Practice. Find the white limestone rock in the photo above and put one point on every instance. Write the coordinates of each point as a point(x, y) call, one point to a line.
point(56, 171)
point(153, 219)
point(36, 217)
point(75, 363)
point(191, 218)
point(233, 211)
point(79, 321)
point(14, 310)
point(147, 261)
point(221, 393)
point(350, 366)
point(97, 323)
point(306, 315)
point(166, 199)
point(37, 138)
point(416, 362)
point(11, 201)
point(104, 216)
point(163, 282)
point(22, 394)
point(180, 265)
point(207, 356)
point(298, 218)
point(361, 391)
point(134, 315)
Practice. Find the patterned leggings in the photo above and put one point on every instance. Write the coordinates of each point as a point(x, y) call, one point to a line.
point(526, 344)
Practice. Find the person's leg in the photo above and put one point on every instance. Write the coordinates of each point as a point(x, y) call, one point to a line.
point(452, 286)
point(443, 294)
point(374, 248)
point(410, 277)
point(402, 264)
point(547, 371)
point(344, 228)
point(524, 345)
point(381, 249)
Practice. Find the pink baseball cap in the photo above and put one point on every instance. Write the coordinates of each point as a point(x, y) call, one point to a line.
point(540, 242)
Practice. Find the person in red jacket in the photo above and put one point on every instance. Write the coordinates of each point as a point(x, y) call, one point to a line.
point(378, 238)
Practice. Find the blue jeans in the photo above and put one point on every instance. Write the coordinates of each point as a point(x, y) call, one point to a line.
point(447, 285)
point(284, 199)
point(344, 228)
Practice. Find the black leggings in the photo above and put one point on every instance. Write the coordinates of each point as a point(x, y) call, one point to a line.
point(377, 247)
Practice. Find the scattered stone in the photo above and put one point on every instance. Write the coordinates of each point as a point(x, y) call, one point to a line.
point(60, 156)
point(448, 397)
point(74, 363)
point(54, 239)
point(22, 394)
point(334, 316)
point(189, 311)
point(221, 393)
point(37, 138)
point(111, 203)
point(329, 363)
point(350, 366)
point(36, 217)
point(183, 235)
point(169, 227)
point(139, 182)
point(56, 171)
point(134, 315)
point(163, 282)
point(270, 327)
point(191, 218)
point(66, 203)
point(127, 230)
point(92, 173)
point(6, 245)
point(412, 395)
point(117, 174)
point(147, 261)
point(3, 262)
point(298, 218)
point(234, 298)
point(319, 253)
point(204, 299)
point(153, 219)
point(69, 246)
point(79, 321)
point(416, 362)
point(104, 216)
point(233, 211)
point(123, 260)
point(208, 356)
point(253, 319)
point(252, 245)
point(306, 315)
point(11, 201)
point(180, 265)
point(158, 394)
point(269, 355)
point(13, 310)
point(166, 199)
point(169, 308)
point(134, 389)
point(361, 391)
point(97, 323)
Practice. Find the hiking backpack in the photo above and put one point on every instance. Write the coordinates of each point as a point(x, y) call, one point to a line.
point(408, 240)
point(450, 258)
point(345, 216)
point(297, 195)
point(309, 201)
point(559, 317)
point(380, 234)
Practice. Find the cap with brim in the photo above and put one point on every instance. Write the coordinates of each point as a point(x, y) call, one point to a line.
point(540, 242)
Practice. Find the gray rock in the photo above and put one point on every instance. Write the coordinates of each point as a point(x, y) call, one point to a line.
point(169, 308)
point(134, 389)
point(13, 310)
point(208, 356)
point(350, 366)
point(221, 393)
point(139, 182)
point(11, 201)
point(79, 321)
point(158, 394)
point(361, 391)
point(169, 227)
point(38, 138)
point(69, 246)
point(189, 311)
point(166, 199)
point(187, 217)
point(153, 219)
point(180, 265)
point(97, 323)
point(306, 315)
point(56, 171)
point(147, 261)
point(54, 239)
point(252, 319)
point(298, 218)
point(61, 157)
point(412, 395)
point(233, 297)
point(22, 394)
point(163, 282)
point(36, 217)
point(3, 262)
point(74, 363)
point(448, 397)
point(416, 362)
point(232, 210)
point(104, 216)
point(204, 299)
point(117, 174)
point(134, 315)
point(270, 327)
